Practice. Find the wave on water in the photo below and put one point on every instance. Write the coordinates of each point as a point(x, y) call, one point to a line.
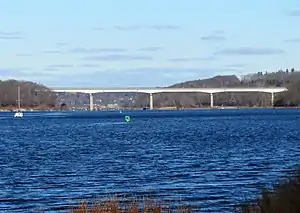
point(180, 113)
point(107, 123)
point(55, 114)
point(200, 157)
point(205, 113)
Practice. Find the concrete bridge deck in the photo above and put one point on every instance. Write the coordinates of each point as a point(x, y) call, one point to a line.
point(160, 90)
point(153, 90)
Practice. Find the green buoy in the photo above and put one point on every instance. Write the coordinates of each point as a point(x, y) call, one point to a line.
point(127, 119)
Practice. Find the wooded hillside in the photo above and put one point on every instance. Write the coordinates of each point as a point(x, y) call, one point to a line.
point(32, 94)
point(289, 79)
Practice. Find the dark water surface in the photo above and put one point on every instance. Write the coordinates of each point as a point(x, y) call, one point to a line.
point(212, 159)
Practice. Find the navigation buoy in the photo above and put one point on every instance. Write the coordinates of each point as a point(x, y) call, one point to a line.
point(127, 119)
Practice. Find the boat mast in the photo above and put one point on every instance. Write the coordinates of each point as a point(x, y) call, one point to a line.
point(19, 101)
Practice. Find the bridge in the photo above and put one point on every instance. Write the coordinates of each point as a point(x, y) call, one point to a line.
point(151, 91)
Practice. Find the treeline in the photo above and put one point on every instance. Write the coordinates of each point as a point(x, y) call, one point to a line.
point(287, 78)
point(31, 95)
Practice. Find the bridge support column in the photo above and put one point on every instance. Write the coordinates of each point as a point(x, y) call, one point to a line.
point(91, 102)
point(151, 101)
point(211, 100)
point(272, 99)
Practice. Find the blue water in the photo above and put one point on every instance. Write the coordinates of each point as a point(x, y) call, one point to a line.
point(211, 159)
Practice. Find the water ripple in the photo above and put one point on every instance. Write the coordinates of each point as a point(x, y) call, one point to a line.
point(211, 159)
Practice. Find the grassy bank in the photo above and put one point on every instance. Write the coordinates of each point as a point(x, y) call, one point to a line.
point(283, 197)
point(129, 206)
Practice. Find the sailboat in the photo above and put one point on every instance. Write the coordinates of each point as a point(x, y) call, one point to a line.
point(19, 114)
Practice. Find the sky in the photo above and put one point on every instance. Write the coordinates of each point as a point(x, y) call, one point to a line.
point(145, 43)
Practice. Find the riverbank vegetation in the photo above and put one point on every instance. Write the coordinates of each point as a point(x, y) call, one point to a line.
point(131, 206)
point(283, 197)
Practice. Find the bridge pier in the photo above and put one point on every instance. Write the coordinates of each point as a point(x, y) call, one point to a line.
point(151, 101)
point(211, 100)
point(272, 99)
point(91, 102)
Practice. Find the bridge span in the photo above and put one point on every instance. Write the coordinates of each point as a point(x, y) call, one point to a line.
point(154, 90)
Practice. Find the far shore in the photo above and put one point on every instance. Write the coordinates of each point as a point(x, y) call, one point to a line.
point(38, 109)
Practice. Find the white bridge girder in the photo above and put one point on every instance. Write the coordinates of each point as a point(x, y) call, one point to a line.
point(152, 91)
point(169, 90)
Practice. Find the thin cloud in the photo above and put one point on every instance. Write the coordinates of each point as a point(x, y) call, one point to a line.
point(8, 72)
point(98, 50)
point(23, 54)
point(14, 71)
point(35, 74)
point(293, 40)
point(62, 44)
point(57, 67)
point(151, 27)
point(150, 49)
point(127, 28)
point(250, 51)
point(192, 59)
point(10, 37)
point(61, 65)
point(295, 12)
point(98, 28)
point(52, 51)
point(213, 38)
point(165, 27)
point(236, 65)
point(44, 77)
point(157, 76)
point(89, 65)
point(14, 35)
point(51, 69)
point(218, 32)
point(173, 70)
point(119, 58)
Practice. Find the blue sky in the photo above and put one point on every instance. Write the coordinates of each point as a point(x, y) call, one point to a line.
point(145, 43)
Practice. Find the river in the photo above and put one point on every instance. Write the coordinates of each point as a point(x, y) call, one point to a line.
point(211, 159)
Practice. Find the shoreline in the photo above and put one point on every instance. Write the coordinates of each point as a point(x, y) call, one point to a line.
point(8, 109)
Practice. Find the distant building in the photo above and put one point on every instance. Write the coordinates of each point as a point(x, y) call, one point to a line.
point(112, 106)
